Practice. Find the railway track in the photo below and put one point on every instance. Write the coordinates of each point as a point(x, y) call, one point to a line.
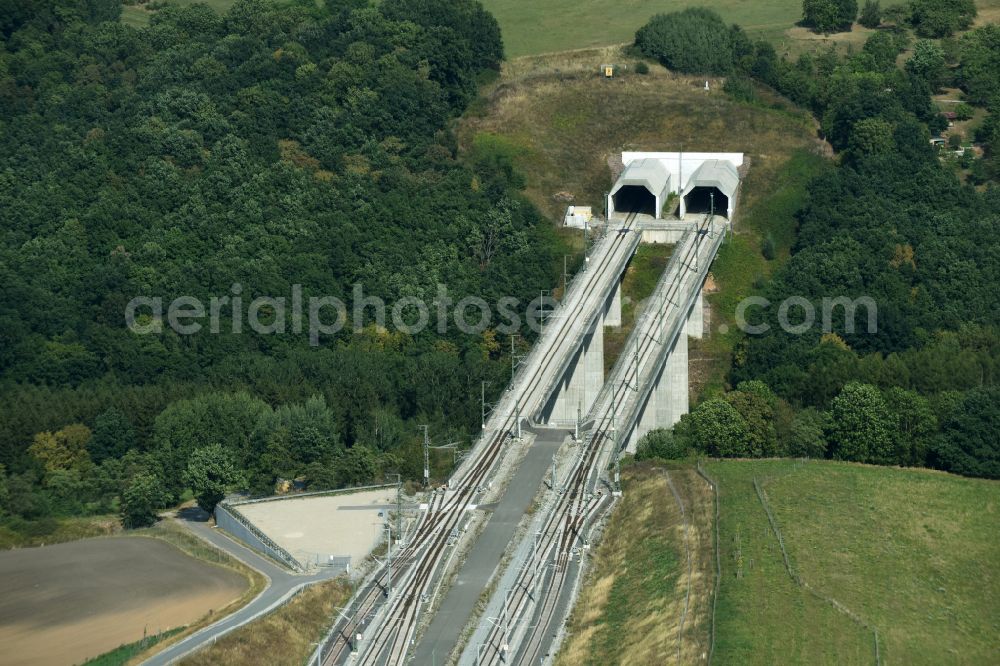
point(579, 503)
point(393, 597)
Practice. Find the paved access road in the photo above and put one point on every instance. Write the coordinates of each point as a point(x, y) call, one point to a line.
point(281, 585)
point(454, 612)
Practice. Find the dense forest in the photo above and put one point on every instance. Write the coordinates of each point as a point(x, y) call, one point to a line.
point(285, 146)
point(279, 144)
point(892, 219)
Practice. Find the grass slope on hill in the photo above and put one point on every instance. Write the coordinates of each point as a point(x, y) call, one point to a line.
point(558, 25)
point(911, 552)
point(633, 598)
point(559, 122)
point(286, 636)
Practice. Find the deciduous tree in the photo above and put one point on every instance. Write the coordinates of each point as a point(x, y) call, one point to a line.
point(661, 443)
point(142, 496)
point(112, 437)
point(694, 40)
point(65, 449)
point(941, 18)
point(871, 14)
point(860, 425)
point(211, 472)
point(718, 429)
point(927, 62)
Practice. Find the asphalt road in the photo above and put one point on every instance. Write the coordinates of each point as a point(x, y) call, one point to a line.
point(455, 610)
point(282, 584)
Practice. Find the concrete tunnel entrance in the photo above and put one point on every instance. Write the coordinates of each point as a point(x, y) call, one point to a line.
point(700, 200)
point(635, 199)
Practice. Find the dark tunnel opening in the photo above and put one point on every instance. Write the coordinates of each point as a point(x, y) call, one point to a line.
point(700, 200)
point(635, 199)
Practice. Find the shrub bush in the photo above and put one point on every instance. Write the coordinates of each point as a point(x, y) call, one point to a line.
point(695, 41)
point(871, 14)
point(661, 443)
point(963, 111)
point(768, 248)
point(740, 88)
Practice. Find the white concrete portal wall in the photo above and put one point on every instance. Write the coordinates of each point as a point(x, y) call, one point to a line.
point(682, 165)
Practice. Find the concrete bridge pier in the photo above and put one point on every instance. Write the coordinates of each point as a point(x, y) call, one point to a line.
point(669, 398)
point(582, 381)
point(579, 386)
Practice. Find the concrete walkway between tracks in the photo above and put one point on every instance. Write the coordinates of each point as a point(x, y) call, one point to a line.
point(459, 602)
point(281, 586)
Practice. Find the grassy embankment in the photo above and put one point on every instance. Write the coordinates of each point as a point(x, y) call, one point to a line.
point(123, 654)
point(286, 636)
point(910, 553)
point(768, 204)
point(47, 531)
point(179, 537)
point(633, 599)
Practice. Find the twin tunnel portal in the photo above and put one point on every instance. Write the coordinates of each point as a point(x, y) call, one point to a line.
point(701, 200)
point(662, 197)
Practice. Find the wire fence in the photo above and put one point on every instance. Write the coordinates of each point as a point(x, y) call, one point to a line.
point(687, 551)
point(718, 558)
point(762, 495)
point(237, 520)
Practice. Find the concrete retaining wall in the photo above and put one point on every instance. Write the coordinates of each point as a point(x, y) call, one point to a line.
point(232, 521)
point(664, 235)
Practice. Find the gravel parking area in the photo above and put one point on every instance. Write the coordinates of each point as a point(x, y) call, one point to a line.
point(311, 528)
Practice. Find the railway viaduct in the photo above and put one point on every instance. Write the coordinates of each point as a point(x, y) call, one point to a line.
point(560, 384)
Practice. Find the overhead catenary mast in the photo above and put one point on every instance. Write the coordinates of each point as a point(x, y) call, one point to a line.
point(427, 458)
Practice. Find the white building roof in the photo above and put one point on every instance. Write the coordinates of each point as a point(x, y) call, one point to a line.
point(682, 165)
point(715, 173)
point(647, 172)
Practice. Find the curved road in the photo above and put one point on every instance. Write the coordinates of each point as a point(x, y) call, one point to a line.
point(280, 587)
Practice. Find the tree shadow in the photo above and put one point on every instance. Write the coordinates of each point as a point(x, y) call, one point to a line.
point(194, 514)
